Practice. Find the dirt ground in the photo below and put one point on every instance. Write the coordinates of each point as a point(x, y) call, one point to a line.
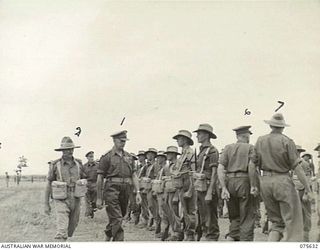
point(22, 219)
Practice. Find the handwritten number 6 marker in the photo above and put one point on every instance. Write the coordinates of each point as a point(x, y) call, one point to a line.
point(282, 103)
point(79, 131)
point(247, 112)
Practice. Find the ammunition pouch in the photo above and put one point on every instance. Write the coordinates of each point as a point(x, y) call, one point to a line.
point(200, 182)
point(168, 185)
point(157, 186)
point(177, 181)
point(59, 190)
point(145, 183)
point(180, 179)
point(80, 189)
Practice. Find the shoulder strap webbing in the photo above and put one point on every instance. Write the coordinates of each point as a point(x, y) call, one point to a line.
point(78, 166)
point(181, 161)
point(59, 170)
point(204, 159)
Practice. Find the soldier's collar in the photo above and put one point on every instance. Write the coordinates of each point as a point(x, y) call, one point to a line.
point(206, 145)
point(63, 161)
point(276, 132)
point(239, 141)
point(114, 152)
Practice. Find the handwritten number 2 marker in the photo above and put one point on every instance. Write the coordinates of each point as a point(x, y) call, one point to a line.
point(122, 121)
point(79, 131)
point(282, 103)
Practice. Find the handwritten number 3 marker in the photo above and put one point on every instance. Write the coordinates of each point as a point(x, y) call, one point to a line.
point(79, 131)
point(282, 103)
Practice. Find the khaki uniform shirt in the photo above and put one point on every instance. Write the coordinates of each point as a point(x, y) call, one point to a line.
point(164, 171)
point(235, 157)
point(151, 171)
point(276, 152)
point(70, 171)
point(186, 161)
point(113, 164)
point(141, 172)
point(210, 159)
point(171, 167)
point(90, 172)
point(308, 172)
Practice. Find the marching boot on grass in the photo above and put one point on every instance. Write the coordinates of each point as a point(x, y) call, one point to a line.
point(265, 227)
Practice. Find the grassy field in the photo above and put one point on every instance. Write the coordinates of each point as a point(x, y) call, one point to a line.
point(22, 219)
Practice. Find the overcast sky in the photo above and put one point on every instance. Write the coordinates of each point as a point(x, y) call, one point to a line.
point(164, 66)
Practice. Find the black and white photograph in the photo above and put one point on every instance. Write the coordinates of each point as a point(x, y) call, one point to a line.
point(159, 121)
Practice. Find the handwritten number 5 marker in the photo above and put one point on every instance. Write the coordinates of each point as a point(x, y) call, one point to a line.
point(79, 131)
point(282, 103)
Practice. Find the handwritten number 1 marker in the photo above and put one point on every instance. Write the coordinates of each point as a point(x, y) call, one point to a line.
point(282, 103)
point(79, 131)
point(122, 121)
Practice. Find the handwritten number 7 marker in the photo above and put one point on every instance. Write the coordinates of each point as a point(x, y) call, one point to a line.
point(282, 103)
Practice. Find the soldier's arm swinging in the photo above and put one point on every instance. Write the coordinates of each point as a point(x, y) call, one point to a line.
point(99, 190)
point(221, 175)
point(253, 179)
point(47, 195)
point(302, 177)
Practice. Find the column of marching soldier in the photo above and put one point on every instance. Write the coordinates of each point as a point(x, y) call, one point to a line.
point(178, 195)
